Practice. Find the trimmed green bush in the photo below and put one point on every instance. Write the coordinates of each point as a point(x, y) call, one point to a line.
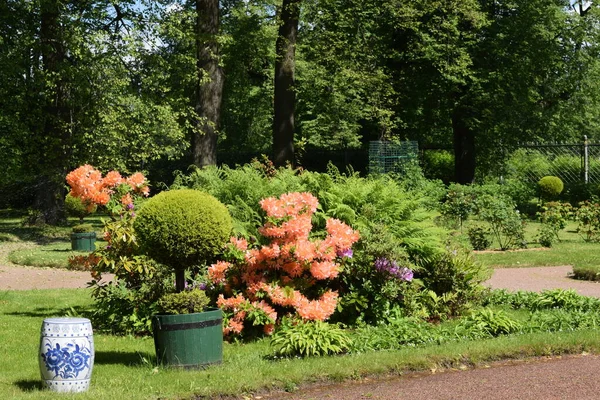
point(550, 187)
point(183, 228)
point(587, 272)
point(186, 302)
point(83, 228)
point(77, 208)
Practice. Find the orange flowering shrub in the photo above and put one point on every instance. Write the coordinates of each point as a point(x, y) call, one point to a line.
point(290, 275)
point(117, 194)
point(87, 183)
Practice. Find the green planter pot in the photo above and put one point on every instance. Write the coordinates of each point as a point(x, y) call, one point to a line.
point(84, 241)
point(189, 340)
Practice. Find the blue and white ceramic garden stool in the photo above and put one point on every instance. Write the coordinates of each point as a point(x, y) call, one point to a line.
point(66, 354)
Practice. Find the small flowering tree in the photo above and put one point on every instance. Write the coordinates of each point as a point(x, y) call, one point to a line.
point(126, 304)
point(289, 275)
point(117, 195)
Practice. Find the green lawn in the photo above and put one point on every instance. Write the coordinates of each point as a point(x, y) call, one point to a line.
point(125, 368)
point(47, 246)
point(570, 250)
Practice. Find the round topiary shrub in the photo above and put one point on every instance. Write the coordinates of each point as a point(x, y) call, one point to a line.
point(77, 208)
point(182, 228)
point(550, 187)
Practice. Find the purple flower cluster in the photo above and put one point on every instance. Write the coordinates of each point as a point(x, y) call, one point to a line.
point(348, 253)
point(392, 268)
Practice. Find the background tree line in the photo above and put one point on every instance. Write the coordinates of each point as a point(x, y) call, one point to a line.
point(140, 84)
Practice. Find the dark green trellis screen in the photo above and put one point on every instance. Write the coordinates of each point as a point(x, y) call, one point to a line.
point(387, 156)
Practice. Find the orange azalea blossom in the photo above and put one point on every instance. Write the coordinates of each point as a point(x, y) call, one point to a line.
point(290, 257)
point(216, 272)
point(240, 244)
point(317, 310)
point(233, 326)
point(324, 269)
point(137, 180)
point(126, 200)
point(269, 252)
point(87, 183)
point(298, 227)
point(271, 231)
point(304, 250)
point(325, 249)
point(293, 269)
point(101, 198)
point(269, 329)
point(343, 236)
point(270, 311)
point(112, 179)
point(232, 302)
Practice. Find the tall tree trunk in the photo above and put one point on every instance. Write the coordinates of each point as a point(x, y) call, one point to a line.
point(54, 140)
point(209, 89)
point(285, 94)
point(464, 146)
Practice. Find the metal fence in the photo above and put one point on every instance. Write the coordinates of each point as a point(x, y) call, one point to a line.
point(387, 156)
point(571, 162)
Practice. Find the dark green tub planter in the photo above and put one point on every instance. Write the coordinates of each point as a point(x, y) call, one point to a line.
point(189, 340)
point(83, 241)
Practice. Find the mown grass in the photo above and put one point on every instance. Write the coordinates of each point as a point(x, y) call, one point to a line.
point(48, 246)
point(125, 366)
point(53, 255)
point(570, 250)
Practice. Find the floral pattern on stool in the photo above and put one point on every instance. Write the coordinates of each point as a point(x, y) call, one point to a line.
point(66, 354)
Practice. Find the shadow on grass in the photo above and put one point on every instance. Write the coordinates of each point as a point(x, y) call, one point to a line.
point(11, 224)
point(48, 312)
point(124, 358)
point(29, 385)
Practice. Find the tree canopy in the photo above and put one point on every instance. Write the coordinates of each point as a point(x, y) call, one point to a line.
point(128, 84)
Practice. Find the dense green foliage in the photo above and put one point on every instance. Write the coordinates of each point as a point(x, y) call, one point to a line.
point(588, 220)
point(76, 208)
point(83, 228)
point(309, 339)
point(186, 302)
point(182, 228)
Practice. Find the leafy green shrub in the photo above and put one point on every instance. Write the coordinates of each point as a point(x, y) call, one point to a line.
point(562, 320)
point(588, 221)
point(458, 204)
point(395, 334)
point(438, 164)
point(547, 299)
point(587, 272)
point(367, 293)
point(75, 207)
point(182, 228)
point(505, 222)
point(309, 338)
point(490, 322)
point(479, 237)
point(186, 302)
point(550, 187)
point(455, 275)
point(525, 164)
point(83, 228)
point(521, 192)
point(553, 216)
point(121, 308)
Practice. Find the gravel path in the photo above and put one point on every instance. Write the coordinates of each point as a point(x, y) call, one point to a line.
point(16, 277)
point(539, 278)
point(564, 378)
